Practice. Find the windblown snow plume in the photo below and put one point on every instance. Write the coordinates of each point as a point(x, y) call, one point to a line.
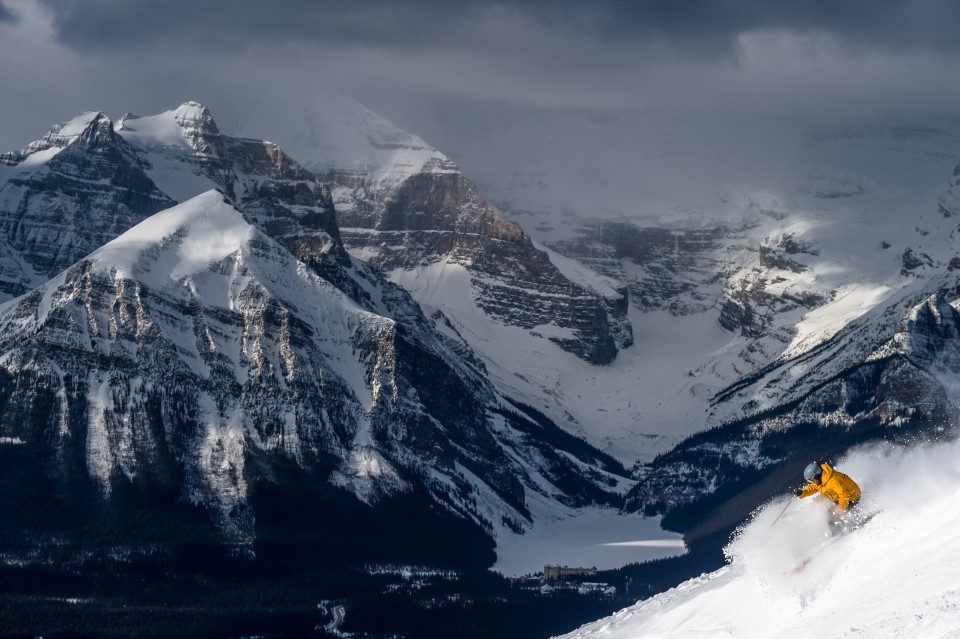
point(893, 577)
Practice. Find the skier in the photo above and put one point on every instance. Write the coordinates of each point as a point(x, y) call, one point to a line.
point(835, 486)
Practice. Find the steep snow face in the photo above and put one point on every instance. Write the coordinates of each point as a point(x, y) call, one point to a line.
point(894, 577)
point(190, 126)
point(327, 131)
point(206, 230)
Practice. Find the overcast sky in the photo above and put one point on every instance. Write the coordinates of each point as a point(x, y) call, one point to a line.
point(413, 60)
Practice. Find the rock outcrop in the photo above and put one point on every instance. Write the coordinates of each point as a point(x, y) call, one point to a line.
point(67, 194)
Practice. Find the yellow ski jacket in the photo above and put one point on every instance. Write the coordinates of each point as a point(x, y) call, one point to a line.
point(835, 486)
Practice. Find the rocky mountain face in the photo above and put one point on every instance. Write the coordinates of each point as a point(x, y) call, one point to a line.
point(277, 193)
point(691, 271)
point(65, 195)
point(662, 268)
point(405, 207)
point(434, 217)
point(229, 346)
point(891, 375)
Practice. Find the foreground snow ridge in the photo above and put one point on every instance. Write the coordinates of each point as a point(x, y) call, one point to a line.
point(895, 577)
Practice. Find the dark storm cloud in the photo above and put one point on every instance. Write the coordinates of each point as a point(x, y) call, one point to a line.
point(233, 23)
point(697, 26)
point(6, 15)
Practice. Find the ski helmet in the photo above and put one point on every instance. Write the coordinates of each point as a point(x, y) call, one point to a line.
point(811, 471)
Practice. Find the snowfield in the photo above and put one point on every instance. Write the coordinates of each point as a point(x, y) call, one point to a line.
point(894, 577)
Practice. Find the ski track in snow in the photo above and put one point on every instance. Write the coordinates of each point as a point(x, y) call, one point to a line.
point(895, 577)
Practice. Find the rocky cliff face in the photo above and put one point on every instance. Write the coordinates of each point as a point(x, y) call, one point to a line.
point(405, 207)
point(888, 376)
point(439, 216)
point(691, 271)
point(210, 349)
point(274, 191)
point(662, 268)
point(65, 195)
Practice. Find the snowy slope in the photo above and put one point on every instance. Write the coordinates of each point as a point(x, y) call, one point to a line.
point(781, 237)
point(895, 577)
point(754, 245)
point(165, 138)
point(619, 408)
point(406, 208)
point(326, 130)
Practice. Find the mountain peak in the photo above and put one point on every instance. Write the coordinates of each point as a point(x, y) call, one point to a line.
point(193, 115)
point(324, 130)
point(197, 126)
point(190, 125)
point(88, 127)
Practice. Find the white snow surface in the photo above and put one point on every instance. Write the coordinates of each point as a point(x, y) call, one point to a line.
point(323, 130)
point(161, 130)
point(642, 404)
point(211, 229)
point(164, 140)
point(894, 577)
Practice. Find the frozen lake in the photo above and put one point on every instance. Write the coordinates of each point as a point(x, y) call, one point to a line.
point(594, 537)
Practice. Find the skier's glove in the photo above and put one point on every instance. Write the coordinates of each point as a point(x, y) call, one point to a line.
point(798, 492)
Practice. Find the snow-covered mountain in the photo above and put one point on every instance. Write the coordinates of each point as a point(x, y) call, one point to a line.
point(733, 270)
point(793, 315)
point(893, 577)
point(66, 194)
point(741, 244)
point(247, 337)
point(230, 343)
point(407, 208)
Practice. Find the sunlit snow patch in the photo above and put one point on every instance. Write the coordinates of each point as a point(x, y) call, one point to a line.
point(849, 303)
point(649, 543)
point(368, 475)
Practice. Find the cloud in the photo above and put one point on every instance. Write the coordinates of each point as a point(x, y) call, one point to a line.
point(7, 15)
point(434, 65)
point(698, 27)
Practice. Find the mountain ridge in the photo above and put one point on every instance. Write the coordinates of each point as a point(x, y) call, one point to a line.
point(165, 352)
